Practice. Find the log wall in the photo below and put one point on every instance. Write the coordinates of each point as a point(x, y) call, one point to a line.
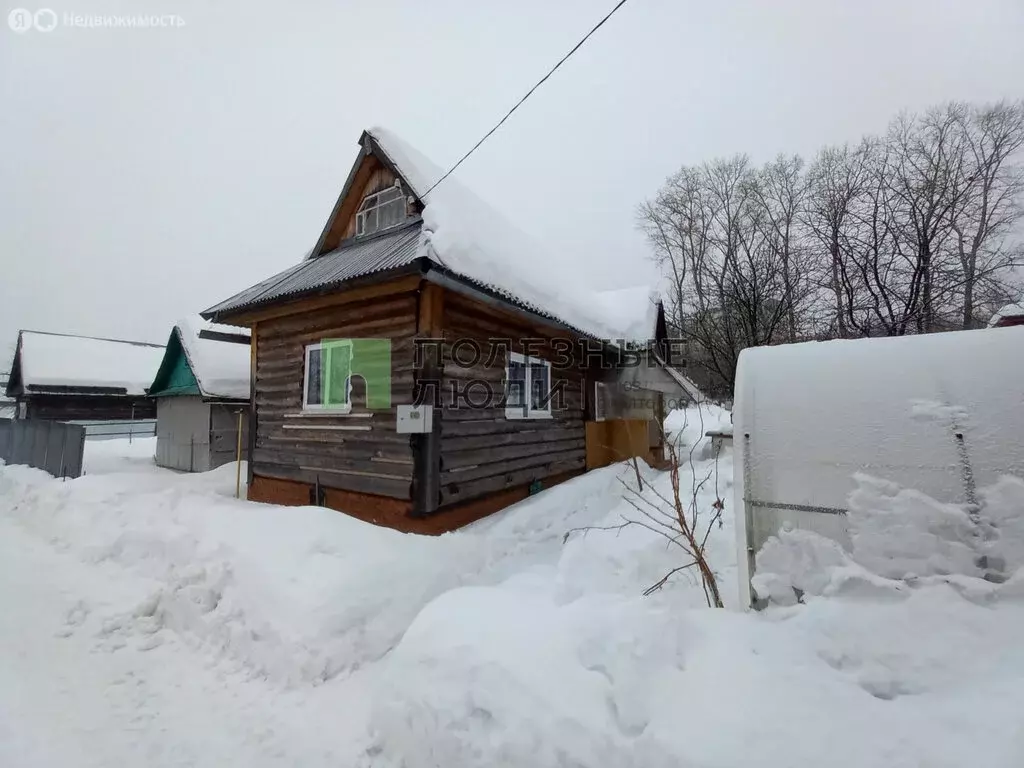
point(483, 452)
point(359, 451)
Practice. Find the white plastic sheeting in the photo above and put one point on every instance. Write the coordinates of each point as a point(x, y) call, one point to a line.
point(808, 417)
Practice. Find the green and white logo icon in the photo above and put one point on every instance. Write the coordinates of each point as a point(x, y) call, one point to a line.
point(345, 359)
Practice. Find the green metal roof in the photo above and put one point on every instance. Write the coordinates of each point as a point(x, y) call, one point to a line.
point(174, 377)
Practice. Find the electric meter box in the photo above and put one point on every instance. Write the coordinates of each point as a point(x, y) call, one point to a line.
point(415, 419)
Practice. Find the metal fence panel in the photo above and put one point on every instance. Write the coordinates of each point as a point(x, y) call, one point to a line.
point(55, 451)
point(52, 446)
point(74, 450)
point(6, 435)
point(21, 448)
point(40, 441)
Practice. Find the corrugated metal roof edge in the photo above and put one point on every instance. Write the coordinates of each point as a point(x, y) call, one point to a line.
point(430, 270)
point(423, 265)
point(222, 315)
point(264, 291)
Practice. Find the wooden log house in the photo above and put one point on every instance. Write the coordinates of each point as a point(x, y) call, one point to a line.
point(61, 377)
point(391, 265)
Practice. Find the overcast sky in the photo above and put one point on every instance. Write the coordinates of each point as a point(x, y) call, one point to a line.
point(147, 174)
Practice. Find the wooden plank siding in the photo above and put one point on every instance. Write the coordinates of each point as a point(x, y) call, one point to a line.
point(73, 407)
point(358, 452)
point(483, 452)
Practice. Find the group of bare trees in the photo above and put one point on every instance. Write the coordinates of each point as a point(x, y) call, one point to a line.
point(915, 231)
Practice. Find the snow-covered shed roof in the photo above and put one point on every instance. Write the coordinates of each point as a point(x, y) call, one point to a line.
point(63, 363)
point(462, 235)
point(219, 365)
point(1011, 314)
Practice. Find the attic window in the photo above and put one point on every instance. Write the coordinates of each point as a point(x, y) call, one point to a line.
point(381, 210)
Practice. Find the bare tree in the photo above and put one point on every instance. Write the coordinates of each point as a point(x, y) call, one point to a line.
point(715, 239)
point(929, 184)
point(680, 517)
point(914, 231)
point(835, 180)
point(780, 190)
point(992, 206)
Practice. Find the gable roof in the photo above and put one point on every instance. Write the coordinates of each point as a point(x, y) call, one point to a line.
point(219, 369)
point(64, 364)
point(464, 238)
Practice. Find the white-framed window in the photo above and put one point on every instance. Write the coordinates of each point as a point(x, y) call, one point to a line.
point(600, 401)
point(327, 379)
point(527, 387)
point(380, 211)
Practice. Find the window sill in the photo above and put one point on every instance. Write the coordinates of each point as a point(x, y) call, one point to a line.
point(324, 413)
point(517, 414)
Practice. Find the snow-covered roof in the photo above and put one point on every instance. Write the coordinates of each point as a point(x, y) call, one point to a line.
point(684, 382)
point(53, 360)
point(469, 240)
point(221, 368)
point(1010, 310)
point(468, 237)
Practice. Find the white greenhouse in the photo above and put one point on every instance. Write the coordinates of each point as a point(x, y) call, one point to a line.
point(941, 413)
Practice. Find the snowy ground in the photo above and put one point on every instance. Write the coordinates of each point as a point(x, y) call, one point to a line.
point(152, 619)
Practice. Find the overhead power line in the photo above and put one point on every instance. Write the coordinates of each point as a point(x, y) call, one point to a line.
point(528, 95)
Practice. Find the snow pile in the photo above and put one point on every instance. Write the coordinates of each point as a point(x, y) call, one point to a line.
point(530, 681)
point(687, 428)
point(294, 601)
point(495, 645)
point(467, 236)
point(221, 368)
point(900, 533)
point(565, 663)
point(1002, 510)
point(56, 360)
point(900, 538)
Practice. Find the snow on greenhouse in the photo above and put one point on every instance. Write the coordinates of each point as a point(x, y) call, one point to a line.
point(942, 414)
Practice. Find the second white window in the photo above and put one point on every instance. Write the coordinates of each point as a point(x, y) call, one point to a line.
point(527, 387)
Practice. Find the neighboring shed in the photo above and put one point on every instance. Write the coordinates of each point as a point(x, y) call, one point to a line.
point(8, 406)
point(201, 389)
point(940, 413)
point(489, 333)
point(1011, 314)
point(60, 377)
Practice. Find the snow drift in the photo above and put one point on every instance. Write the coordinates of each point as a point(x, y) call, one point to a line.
point(330, 642)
